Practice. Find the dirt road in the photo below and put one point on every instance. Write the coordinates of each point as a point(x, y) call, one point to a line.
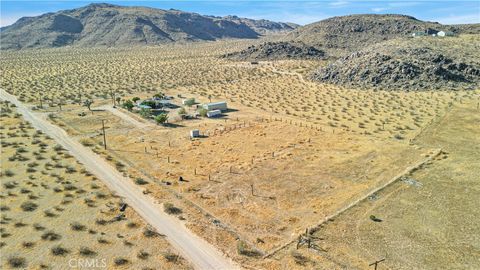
point(125, 117)
point(196, 250)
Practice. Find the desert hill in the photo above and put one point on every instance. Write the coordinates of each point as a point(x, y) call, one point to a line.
point(341, 35)
point(112, 25)
point(352, 32)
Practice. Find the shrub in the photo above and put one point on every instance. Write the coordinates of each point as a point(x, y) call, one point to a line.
point(102, 241)
point(9, 173)
point(145, 113)
point(77, 226)
point(149, 232)
point(38, 227)
point(171, 257)
point(161, 118)
point(143, 255)
point(85, 251)
point(49, 213)
point(10, 185)
point(299, 258)
point(120, 261)
point(51, 236)
point(17, 262)
point(29, 206)
point(28, 244)
point(140, 181)
point(171, 209)
point(70, 169)
point(182, 112)
point(101, 221)
point(87, 142)
point(202, 112)
point(59, 251)
point(128, 105)
point(243, 249)
point(132, 225)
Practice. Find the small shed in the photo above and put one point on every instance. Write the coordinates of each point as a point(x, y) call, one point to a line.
point(221, 105)
point(188, 101)
point(214, 113)
point(194, 133)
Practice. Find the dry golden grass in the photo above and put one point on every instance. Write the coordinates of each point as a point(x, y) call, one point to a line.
point(54, 212)
point(431, 224)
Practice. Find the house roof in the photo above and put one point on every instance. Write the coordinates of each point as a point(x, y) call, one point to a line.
point(216, 103)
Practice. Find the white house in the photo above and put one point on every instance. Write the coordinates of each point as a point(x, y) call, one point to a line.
point(222, 105)
point(445, 34)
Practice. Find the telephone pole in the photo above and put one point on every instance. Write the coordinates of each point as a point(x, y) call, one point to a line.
point(104, 138)
point(375, 264)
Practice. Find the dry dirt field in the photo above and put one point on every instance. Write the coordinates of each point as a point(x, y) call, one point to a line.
point(56, 215)
point(428, 219)
point(289, 154)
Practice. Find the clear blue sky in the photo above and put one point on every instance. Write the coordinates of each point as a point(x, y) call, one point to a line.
point(301, 12)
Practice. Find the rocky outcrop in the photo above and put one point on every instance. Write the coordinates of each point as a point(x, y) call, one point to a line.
point(277, 50)
point(401, 69)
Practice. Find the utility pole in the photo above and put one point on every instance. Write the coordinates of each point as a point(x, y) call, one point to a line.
point(112, 94)
point(104, 138)
point(375, 264)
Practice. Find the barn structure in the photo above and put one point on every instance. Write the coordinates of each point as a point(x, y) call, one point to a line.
point(221, 105)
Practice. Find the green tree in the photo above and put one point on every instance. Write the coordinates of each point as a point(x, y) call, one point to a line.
point(203, 112)
point(88, 103)
point(182, 112)
point(135, 99)
point(145, 113)
point(161, 118)
point(128, 105)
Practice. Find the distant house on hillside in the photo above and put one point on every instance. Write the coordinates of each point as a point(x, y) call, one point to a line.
point(419, 34)
point(445, 34)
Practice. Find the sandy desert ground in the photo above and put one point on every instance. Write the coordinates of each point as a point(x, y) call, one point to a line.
point(56, 215)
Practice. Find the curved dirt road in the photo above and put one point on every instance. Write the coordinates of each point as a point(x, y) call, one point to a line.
point(197, 251)
point(125, 117)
